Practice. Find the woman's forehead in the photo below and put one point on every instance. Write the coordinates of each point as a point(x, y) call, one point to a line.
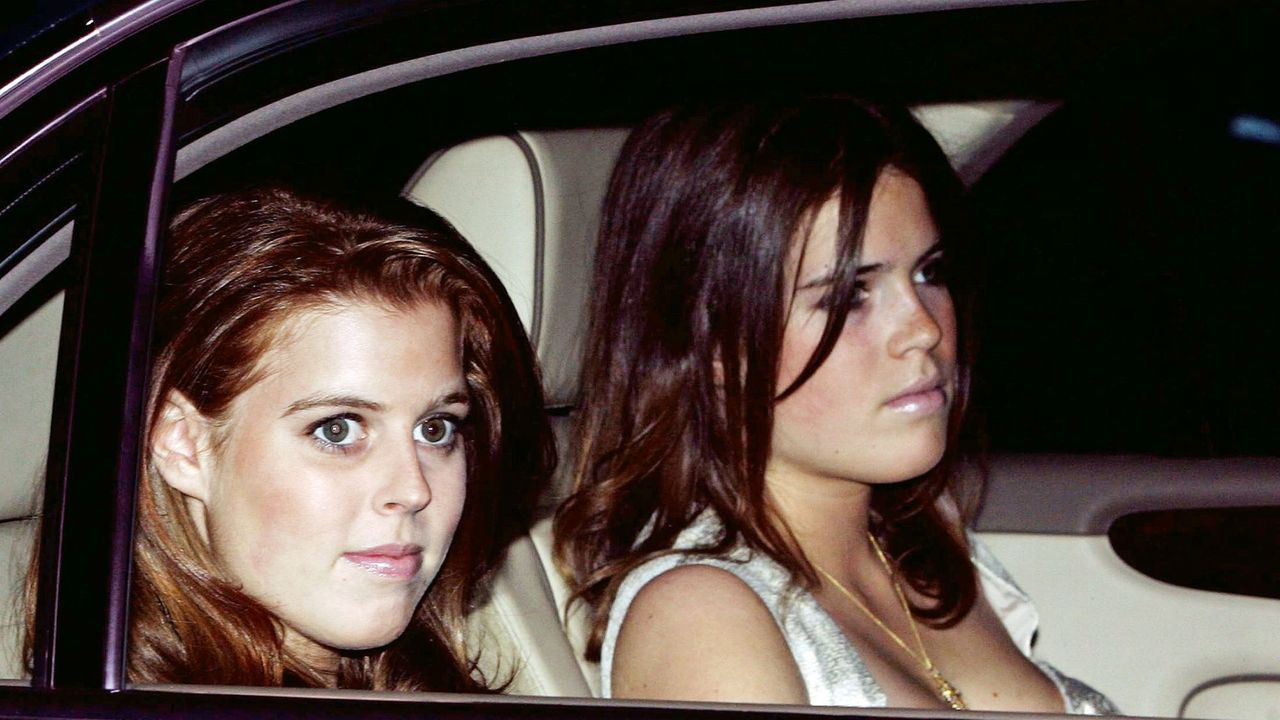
point(899, 229)
point(816, 248)
point(282, 334)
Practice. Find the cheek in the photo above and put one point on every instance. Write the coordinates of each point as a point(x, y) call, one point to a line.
point(438, 522)
point(276, 529)
point(838, 387)
point(447, 480)
point(240, 501)
point(942, 309)
point(799, 339)
point(452, 496)
point(269, 504)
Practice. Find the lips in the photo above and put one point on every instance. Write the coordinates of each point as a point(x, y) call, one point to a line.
point(921, 398)
point(398, 562)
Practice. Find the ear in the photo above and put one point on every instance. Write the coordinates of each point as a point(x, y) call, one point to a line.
point(180, 444)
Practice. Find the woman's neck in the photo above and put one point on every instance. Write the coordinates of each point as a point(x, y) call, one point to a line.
point(320, 659)
point(827, 517)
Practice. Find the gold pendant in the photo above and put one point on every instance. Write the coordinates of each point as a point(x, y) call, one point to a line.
point(948, 691)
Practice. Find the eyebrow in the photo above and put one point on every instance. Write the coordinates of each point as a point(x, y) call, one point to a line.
point(456, 397)
point(830, 278)
point(827, 279)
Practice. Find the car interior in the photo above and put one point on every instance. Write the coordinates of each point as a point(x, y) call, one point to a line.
point(517, 155)
point(530, 201)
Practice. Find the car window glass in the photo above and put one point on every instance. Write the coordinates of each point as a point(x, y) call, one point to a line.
point(1043, 215)
point(1129, 242)
point(44, 179)
point(28, 358)
point(1129, 245)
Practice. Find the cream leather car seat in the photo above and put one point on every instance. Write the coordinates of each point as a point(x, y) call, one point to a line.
point(28, 358)
point(530, 203)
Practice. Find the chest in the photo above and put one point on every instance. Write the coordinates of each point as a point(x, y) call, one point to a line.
point(853, 659)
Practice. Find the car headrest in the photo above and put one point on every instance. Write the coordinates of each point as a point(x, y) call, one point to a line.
point(28, 359)
point(530, 204)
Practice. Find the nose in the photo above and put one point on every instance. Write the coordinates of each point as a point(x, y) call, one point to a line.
point(406, 486)
point(918, 322)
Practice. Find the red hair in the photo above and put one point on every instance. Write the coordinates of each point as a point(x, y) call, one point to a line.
point(238, 267)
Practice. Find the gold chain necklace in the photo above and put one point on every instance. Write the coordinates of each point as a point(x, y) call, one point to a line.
point(945, 689)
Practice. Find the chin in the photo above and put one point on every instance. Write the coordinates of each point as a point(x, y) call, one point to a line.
point(358, 639)
point(912, 464)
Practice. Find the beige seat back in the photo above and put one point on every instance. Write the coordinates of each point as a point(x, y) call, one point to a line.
point(530, 203)
point(28, 359)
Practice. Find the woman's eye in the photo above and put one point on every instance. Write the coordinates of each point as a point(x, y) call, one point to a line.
point(340, 431)
point(437, 431)
point(860, 296)
point(933, 272)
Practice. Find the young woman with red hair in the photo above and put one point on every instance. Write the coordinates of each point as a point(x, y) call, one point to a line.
point(344, 426)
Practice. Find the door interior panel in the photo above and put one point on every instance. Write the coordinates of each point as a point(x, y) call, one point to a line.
point(1085, 494)
point(1153, 647)
point(1245, 698)
point(1146, 644)
point(1229, 550)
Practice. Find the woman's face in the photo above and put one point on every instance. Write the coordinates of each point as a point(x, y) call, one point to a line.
point(339, 478)
point(876, 410)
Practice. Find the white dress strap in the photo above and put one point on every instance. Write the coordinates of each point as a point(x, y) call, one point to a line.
point(831, 667)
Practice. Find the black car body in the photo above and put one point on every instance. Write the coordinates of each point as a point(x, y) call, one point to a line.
point(1127, 194)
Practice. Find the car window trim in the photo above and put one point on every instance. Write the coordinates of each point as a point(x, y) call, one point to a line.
point(35, 258)
point(249, 127)
point(87, 534)
point(103, 36)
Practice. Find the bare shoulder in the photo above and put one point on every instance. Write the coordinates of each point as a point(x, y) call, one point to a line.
point(698, 632)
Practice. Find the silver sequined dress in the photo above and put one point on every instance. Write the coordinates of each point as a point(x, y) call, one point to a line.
point(833, 672)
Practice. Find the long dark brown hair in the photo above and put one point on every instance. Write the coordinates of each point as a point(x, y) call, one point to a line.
point(238, 266)
point(680, 370)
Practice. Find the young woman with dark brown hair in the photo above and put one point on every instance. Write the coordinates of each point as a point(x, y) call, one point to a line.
point(345, 423)
point(769, 505)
